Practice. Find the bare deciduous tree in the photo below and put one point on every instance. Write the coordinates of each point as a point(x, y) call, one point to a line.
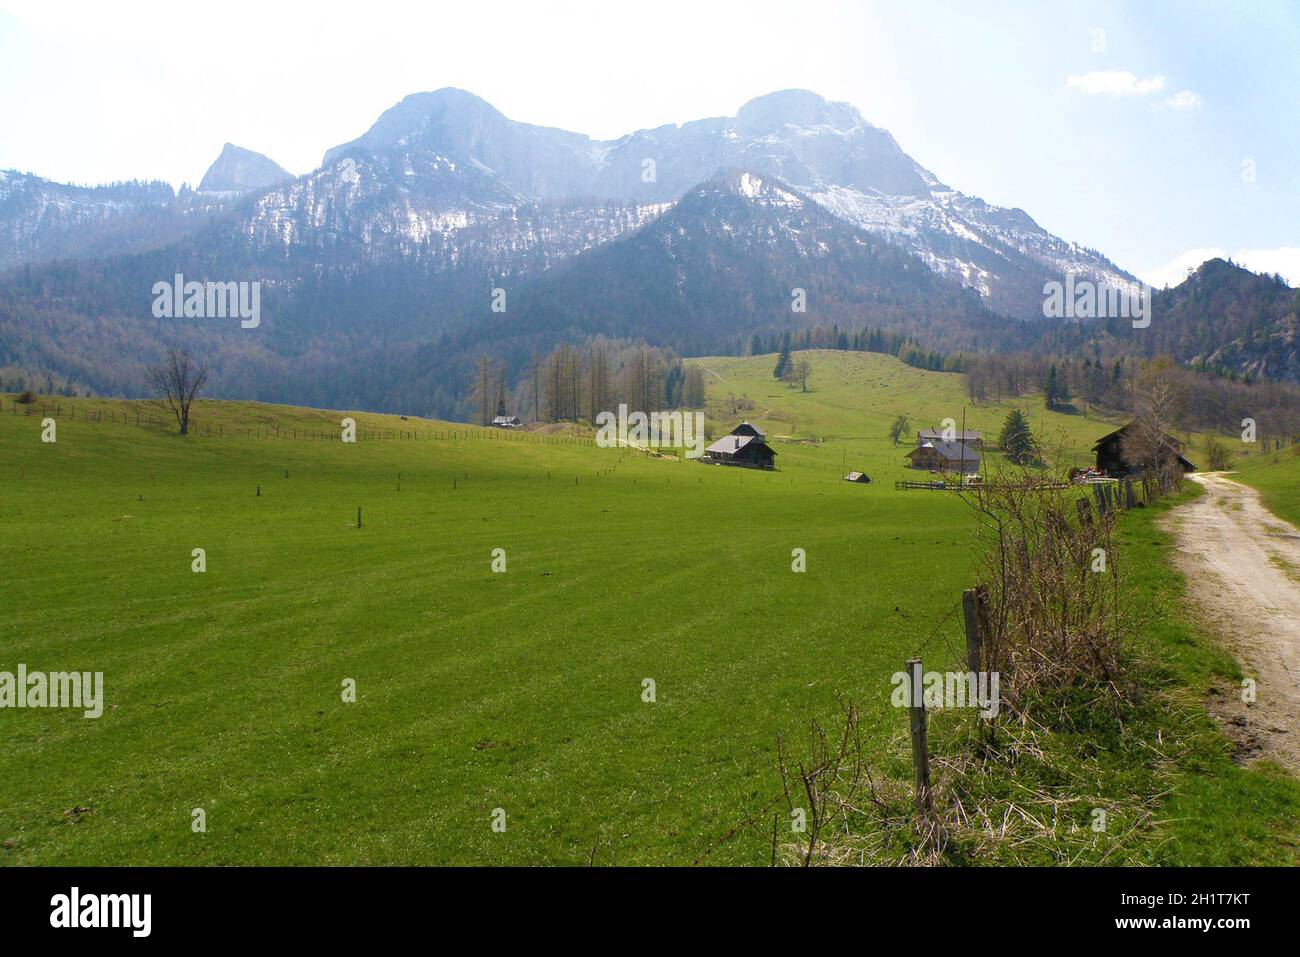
point(178, 380)
point(803, 369)
point(483, 394)
point(900, 425)
point(1157, 403)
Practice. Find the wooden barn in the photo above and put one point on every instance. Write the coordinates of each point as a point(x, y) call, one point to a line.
point(1110, 454)
point(745, 446)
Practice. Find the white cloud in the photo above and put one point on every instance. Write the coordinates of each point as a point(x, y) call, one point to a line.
point(1283, 260)
point(1114, 83)
point(1184, 100)
point(1176, 270)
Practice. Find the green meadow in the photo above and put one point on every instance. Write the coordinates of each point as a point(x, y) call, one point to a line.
point(476, 689)
point(842, 422)
point(1276, 476)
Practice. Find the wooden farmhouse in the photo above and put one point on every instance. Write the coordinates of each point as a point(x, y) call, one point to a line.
point(745, 446)
point(939, 456)
point(973, 437)
point(1111, 459)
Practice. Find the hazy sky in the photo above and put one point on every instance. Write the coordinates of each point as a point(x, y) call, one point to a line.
point(1158, 133)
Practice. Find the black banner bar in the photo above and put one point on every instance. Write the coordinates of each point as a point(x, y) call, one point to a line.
point(337, 905)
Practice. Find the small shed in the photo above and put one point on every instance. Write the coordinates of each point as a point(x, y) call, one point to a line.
point(506, 422)
point(862, 478)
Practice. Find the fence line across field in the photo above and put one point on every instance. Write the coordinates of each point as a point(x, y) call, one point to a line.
point(975, 487)
point(149, 420)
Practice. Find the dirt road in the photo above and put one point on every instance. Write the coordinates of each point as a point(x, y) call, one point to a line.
point(1242, 565)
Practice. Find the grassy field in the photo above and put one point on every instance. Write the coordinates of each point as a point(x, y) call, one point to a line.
point(1276, 476)
point(476, 690)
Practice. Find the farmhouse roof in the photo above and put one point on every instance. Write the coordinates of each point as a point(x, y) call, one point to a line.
point(1173, 442)
point(1111, 435)
point(731, 444)
point(951, 451)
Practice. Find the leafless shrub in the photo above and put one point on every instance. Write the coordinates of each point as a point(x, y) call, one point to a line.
point(1217, 455)
point(1056, 619)
point(852, 814)
point(987, 806)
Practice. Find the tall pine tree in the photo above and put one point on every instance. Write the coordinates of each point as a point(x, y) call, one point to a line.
point(1016, 441)
point(784, 365)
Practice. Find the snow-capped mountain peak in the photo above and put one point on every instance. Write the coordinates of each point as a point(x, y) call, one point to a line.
point(826, 150)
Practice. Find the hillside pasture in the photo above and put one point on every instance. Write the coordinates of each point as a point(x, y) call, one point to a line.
point(476, 690)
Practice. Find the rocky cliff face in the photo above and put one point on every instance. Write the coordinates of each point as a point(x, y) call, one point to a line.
point(238, 170)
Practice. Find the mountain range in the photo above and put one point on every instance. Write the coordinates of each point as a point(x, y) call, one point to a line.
point(388, 266)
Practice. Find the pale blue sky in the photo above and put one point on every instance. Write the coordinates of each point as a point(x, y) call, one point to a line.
point(1172, 134)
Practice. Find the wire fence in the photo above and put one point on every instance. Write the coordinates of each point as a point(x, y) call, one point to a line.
point(145, 418)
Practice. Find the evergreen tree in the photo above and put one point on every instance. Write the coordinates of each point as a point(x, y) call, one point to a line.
point(784, 365)
point(1016, 441)
point(1052, 388)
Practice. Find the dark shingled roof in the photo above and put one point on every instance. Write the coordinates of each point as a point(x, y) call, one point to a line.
point(951, 451)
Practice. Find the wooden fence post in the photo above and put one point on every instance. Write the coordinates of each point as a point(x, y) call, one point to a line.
point(920, 753)
point(1085, 512)
point(358, 516)
point(974, 603)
